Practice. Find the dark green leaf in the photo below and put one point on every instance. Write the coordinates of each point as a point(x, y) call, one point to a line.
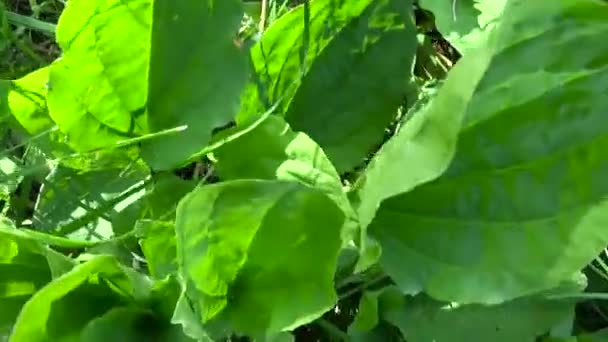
point(343, 69)
point(421, 319)
point(200, 91)
point(129, 324)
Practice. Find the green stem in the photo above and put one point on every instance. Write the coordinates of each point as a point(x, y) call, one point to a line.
point(587, 295)
point(31, 23)
point(374, 281)
point(101, 210)
point(332, 329)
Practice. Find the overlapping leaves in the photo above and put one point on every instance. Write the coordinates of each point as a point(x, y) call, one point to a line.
point(521, 206)
point(258, 256)
point(340, 70)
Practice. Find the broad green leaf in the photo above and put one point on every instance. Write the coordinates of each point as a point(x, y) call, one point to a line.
point(200, 91)
point(421, 319)
point(98, 88)
point(68, 197)
point(287, 50)
point(352, 91)
point(465, 23)
point(343, 69)
point(27, 101)
point(521, 207)
point(258, 256)
point(421, 150)
point(60, 310)
point(26, 265)
point(274, 151)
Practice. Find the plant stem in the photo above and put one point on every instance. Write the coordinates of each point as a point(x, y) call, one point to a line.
point(99, 211)
point(332, 329)
point(263, 14)
point(31, 23)
point(363, 286)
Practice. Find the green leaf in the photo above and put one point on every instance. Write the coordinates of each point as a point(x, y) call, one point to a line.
point(61, 309)
point(121, 324)
point(288, 48)
point(421, 150)
point(521, 207)
point(156, 228)
point(360, 80)
point(127, 324)
point(273, 151)
point(27, 101)
point(465, 23)
point(202, 90)
point(598, 336)
point(422, 319)
point(98, 89)
point(26, 266)
point(367, 314)
point(343, 68)
point(258, 256)
point(157, 240)
point(69, 197)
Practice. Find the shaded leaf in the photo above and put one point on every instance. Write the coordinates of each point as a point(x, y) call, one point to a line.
point(60, 310)
point(342, 69)
point(127, 324)
point(26, 266)
point(202, 91)
point(360, 80)
point(421, 319)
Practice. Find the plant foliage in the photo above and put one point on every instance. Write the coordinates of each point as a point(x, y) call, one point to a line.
point(176, 175)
